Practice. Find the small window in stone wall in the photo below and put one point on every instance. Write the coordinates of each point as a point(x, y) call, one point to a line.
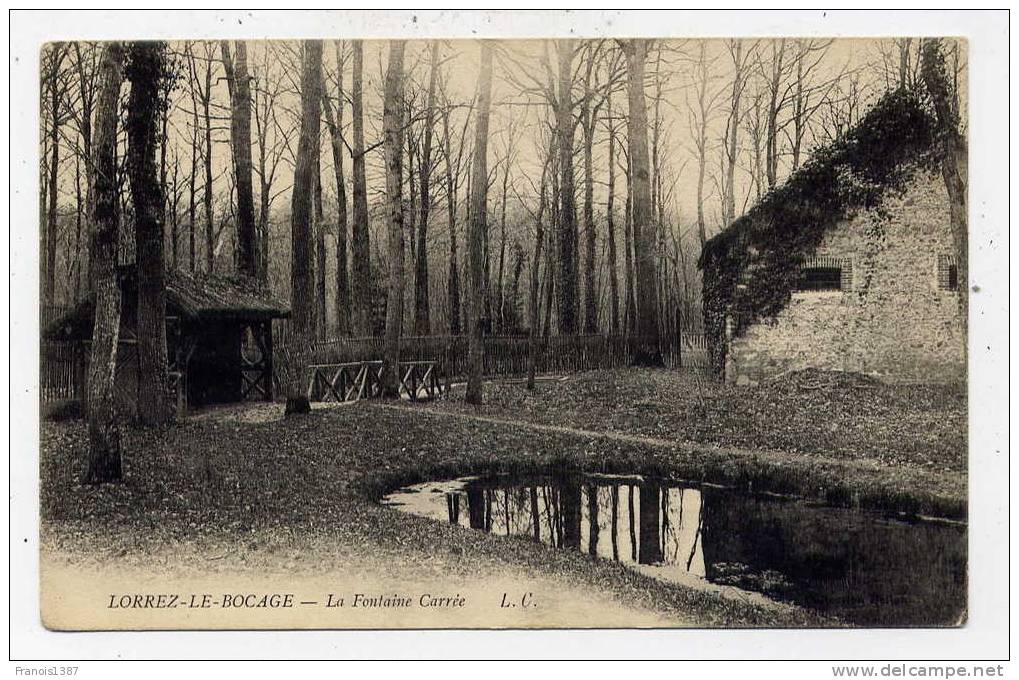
point(821, 274)
point(948, 273)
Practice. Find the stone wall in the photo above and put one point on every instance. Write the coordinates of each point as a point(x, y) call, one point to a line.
point(893, 318)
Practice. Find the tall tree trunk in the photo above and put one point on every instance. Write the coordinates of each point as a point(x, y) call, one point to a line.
point(732, 135)
point(79, 206)
point(103, 432)
point(954, 159)
point(499, 292)
point(55, 92)
point(532, 309)
point(320, 247)
point(477, 226)
point(411, 213)
point(702, 161)
point(549, 280)
point(336, 138)
point(360, 252)
point(772, 129)
point(302, 284)
point(631, 304)
point(192, 200)
point(422, 320)
point(146, 70)
point(610, 220)
point(240, 141)
point(87, 92)
point(174, 218)
point(647, 351)
point(568, 269)
point(590, 299)
point(454, 259)
point(210, 247)
point(392, 124)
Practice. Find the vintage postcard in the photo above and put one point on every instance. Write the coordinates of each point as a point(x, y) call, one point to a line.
point(609, 332)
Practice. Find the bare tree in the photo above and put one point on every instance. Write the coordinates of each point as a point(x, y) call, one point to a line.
point(568, 267)
point(54, 88)
point(146, 69)
point(302, 284)
point(422, 320)
point(104, 463)
point(236, 68)
point(539, 238)
point(453, 167)
point(507, 162)
point(85, 63)
point(592, 100)
point(360, 254)
point(477, 226)
point(702, 107)
point(808, 93)
point(393, 127)
point(610, 226)
point(200, 78)
point(952, 151)
point(320, 244)
point(336, 143)
point(193, 88)
point(740, 54)
point(648, 351)
point(272, 135)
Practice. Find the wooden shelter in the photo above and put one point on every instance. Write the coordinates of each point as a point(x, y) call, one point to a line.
point(219, 339)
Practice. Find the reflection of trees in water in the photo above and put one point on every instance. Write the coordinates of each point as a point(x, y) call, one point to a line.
point(839, 561)
point(453, 507)
point(697, 534)
point(615, 521)
point(571, 512)
point(476, 507)
point(633, 531)
point(650, 551)
point(535, 517)
point(592, 519)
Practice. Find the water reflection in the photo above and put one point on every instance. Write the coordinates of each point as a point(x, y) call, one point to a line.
point(860, 567)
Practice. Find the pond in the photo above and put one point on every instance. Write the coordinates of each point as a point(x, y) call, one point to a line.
point(862, 567)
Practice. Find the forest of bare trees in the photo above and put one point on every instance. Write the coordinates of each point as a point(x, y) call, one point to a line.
point(435, 187)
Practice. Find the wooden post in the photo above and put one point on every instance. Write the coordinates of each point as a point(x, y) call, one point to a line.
point(269, 374)
point(727, 363)
point(447, 364)
point(679, 338)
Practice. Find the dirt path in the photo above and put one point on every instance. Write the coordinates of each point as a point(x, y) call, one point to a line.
point(76, 595)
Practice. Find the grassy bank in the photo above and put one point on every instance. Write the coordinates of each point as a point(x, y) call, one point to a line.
point(242, 490)
point(235, 492)
point(829, 415)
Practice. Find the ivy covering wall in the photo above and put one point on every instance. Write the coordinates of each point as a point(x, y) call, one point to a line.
point(750, 269)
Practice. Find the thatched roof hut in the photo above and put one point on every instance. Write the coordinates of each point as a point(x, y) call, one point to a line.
point(219, 337)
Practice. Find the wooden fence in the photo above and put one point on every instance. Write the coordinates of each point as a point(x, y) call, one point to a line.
point(62, 365)
point(506, 356)
point(61, 371)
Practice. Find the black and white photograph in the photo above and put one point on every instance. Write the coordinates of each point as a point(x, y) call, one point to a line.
point(628, 331)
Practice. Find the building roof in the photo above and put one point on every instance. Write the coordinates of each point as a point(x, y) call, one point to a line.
point(851, 173)
point(751, 267)
point(197, 297)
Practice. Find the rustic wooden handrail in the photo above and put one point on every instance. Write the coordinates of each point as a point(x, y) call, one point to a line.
point(356, 380)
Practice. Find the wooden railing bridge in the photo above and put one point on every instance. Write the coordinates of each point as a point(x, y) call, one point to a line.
point(356, 380)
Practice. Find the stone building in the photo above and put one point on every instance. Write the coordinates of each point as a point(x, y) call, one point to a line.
point(877, 292)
